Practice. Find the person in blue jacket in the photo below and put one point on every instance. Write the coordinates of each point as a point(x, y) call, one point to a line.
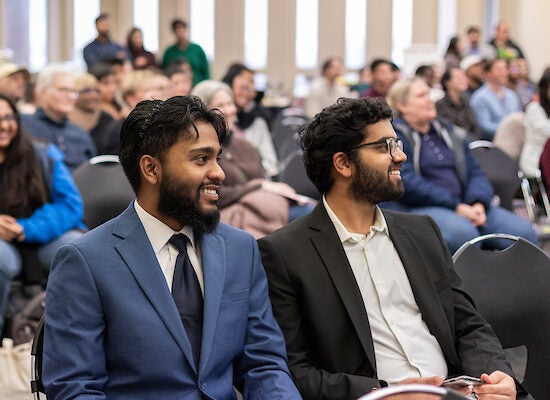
point(40, 206)
point(441, 177)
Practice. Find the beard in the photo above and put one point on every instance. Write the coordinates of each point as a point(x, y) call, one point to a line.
point(373, 186)
point(181, 201)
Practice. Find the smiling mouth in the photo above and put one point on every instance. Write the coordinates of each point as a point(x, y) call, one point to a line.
point(209, 191)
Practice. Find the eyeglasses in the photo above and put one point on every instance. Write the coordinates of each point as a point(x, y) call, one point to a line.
point(88, 90)
point(10, 118)
point(66, 91)
point(391, 145)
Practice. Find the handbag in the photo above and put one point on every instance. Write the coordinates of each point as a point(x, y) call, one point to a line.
point(15, 364)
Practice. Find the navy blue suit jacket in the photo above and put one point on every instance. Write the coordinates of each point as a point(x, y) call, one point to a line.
point(113, 330)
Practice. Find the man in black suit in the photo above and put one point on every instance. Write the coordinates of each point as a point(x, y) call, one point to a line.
point(367, 297)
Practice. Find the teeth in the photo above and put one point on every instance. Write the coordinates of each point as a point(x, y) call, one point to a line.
point(395, 172)
point(209, 191)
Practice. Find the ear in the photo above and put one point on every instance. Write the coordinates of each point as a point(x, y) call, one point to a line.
point(342, 164)
point(150, 169)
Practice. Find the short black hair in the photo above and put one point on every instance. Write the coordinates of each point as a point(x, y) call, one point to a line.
point(101, 17)
point(380, 61)
point(176, 22)
point(338, 128)
point(154, 126)
point(473, 29)
point(233, 71)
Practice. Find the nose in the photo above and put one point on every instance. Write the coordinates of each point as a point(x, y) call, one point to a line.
point(399, 155)
point(217, 173)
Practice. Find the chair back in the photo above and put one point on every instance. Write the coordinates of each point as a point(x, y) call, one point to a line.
point(501, 170)
point(104, 189)
point(37, 386)
point(510, 135)
point(403, 392)
point(510, 289)
point(294, 174)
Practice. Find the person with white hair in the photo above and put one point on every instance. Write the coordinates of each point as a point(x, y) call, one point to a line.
point(56, 95)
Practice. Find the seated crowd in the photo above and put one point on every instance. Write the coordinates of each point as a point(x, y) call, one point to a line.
point(433, 118)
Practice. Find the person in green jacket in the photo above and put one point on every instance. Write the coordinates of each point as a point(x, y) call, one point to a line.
point(184, 48)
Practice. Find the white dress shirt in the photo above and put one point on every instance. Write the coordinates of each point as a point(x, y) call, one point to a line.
point(159, 234)
point(403, 345)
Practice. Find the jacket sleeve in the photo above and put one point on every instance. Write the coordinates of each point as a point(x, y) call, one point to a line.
point(288, 307)
point(62, 212)
point(262, 371)
point(420, 192)
point(477, 187)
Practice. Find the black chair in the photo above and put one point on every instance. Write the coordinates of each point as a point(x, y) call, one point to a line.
point(501, 170)
point(510, 289)
point(37, 386)
point(293, 173)
point(405, 391)
point(104, 189)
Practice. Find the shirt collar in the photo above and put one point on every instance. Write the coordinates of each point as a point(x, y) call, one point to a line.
point(345, 235)
point(157, 231)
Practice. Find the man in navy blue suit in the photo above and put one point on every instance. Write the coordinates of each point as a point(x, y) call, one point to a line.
point(115, 327)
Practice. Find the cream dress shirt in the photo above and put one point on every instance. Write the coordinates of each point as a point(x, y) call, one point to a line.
point(403, 345)
point(159, 234)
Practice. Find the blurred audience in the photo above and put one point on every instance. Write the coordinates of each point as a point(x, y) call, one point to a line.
point(474, 46)
point(493, 101)
point(455, 106)
point(111, 101)
point(13, 82)
point(184, 48)
point(56, 95)
point(103, 47)
point(363, 83)
point(453, 54)
point(87, 112)
point(537, 129)
point(473, 67)
point(326, 89)
point(441, 177)
point(430, 73)
point(505, 47)
point(40, 207)
point(519, 81)
point(143, 84)
point(252, 118)
point(382, 76)
point(139, 57)
point(247, 199)
point(181, 77)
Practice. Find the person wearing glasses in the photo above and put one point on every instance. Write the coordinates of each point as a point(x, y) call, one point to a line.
point(441, 177)
point(368, 297)
point(56, 94)
point(40, 207)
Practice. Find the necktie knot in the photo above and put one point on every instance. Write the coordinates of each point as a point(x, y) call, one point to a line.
point(179, 241)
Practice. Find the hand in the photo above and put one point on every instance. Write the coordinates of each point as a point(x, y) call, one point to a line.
point(10, 229)
point(467, 211)
point(498, 385)
point(481, 217)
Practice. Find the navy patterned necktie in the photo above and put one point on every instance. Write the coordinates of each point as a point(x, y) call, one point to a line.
point(187, 295)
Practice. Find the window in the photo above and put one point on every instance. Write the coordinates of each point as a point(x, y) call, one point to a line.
point(202, 25)
point(356, 33)
point(255, 33)
point(38, 35)
point(84, 31)
point(402, 16)
point(307, 28)
point(446, 23)
point(146, 17)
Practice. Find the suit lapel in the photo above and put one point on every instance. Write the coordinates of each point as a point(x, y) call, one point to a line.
point(212, 249)
point(139, 257)
point(422, 286)
point(326, 241)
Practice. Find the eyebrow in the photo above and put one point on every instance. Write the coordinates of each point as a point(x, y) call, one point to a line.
point(205, 149)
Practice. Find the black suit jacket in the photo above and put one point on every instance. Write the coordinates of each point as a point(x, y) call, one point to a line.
point(319, 307)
